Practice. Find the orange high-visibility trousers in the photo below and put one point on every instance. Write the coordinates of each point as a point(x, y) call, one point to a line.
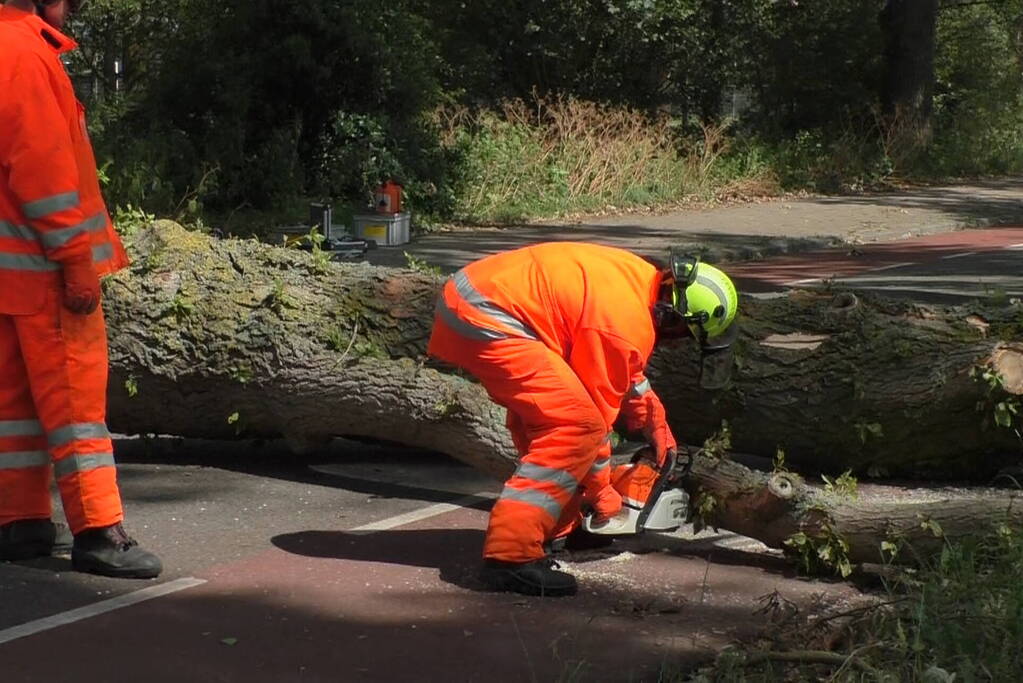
point(555, 425)
point(597, 479)
point(53, 381)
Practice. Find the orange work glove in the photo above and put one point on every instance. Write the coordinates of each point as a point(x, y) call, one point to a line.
point(659, 436)
point(605, 501)
point(81, 285)
point(645, 414)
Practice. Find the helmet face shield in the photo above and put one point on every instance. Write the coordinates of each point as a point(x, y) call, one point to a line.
point(716, 368)
point(717, 358)
point(721, 341)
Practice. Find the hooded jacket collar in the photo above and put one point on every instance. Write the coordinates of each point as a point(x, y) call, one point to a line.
point(54, 39)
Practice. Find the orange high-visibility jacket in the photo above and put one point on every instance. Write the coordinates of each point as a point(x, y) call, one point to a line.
point(50, 203)
point(589, 303)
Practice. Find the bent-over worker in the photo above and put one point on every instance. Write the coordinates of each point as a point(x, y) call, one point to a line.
point(560, 335)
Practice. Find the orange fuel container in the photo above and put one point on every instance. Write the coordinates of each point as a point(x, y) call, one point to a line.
point(387, 198)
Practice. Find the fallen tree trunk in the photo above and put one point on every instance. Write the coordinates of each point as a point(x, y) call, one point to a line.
point(219, 338)
point(828, 528)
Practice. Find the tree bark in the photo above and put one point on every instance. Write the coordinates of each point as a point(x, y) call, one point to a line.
point(220, 338)
point(889, 524)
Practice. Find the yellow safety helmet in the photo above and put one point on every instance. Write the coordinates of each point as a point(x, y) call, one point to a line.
point(706, 300)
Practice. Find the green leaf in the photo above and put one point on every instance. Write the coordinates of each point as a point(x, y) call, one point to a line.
point(933, 527)
point(1005, 411)
point(844, 567)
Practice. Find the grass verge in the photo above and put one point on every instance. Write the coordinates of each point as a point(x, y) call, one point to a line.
point(959, 618)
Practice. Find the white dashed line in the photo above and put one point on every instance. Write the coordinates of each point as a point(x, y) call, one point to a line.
point(889, 267)
point(426, 513)
point(95, 609)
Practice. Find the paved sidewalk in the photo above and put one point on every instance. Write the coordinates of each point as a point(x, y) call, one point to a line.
point(746, 231)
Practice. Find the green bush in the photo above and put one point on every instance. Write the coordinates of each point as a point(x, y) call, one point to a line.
point(255, 106)
point(562, 155)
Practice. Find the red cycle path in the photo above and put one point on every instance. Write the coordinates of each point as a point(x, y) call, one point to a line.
point(775, 274)
point(403, 605)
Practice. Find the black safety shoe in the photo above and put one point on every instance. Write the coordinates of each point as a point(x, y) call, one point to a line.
point(110, 551)
point(24, 539)
point(540, 577)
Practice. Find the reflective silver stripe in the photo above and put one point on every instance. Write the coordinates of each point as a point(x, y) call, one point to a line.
point(102, 252)
point(82, 463)
point(53, 239)
point(535, 498)
point(20, 460)
point(34, 262)
point(561, 478)
point(640, 388)
point(713, 286)
point(80, 430)
point(41, 208)
point(475, 299)
point(20, 428)
point(600, 465)
point(21, 232)
point(465, 329)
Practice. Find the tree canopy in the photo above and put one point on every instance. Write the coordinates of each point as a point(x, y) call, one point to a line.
point(255, 103)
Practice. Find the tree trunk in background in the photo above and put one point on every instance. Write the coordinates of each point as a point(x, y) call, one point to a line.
point(711, 97)
point(221, 338)
point(909, 28)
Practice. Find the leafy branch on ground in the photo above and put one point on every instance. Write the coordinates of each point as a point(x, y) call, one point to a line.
point(957, 617)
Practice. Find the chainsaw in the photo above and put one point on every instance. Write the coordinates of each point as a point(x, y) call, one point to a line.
point(653, 498)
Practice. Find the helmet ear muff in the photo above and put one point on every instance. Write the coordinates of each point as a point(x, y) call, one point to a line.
point(668, 322)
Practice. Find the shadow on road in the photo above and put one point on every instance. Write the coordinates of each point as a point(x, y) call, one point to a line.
point(453, 552)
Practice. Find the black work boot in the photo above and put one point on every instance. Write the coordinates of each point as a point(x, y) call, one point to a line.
point(110, 551)
point(24, 539)
point(539, 577)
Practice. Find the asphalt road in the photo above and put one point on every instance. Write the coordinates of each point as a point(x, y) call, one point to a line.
point(358, 562)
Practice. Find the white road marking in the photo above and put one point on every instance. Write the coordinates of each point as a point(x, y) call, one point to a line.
point(425, 513)
point(811, 280)
point(95, 609)
point(965, 253)
point(889, 267)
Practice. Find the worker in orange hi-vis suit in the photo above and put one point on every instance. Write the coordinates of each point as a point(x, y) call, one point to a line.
point(56, 240)
point(560, 334)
